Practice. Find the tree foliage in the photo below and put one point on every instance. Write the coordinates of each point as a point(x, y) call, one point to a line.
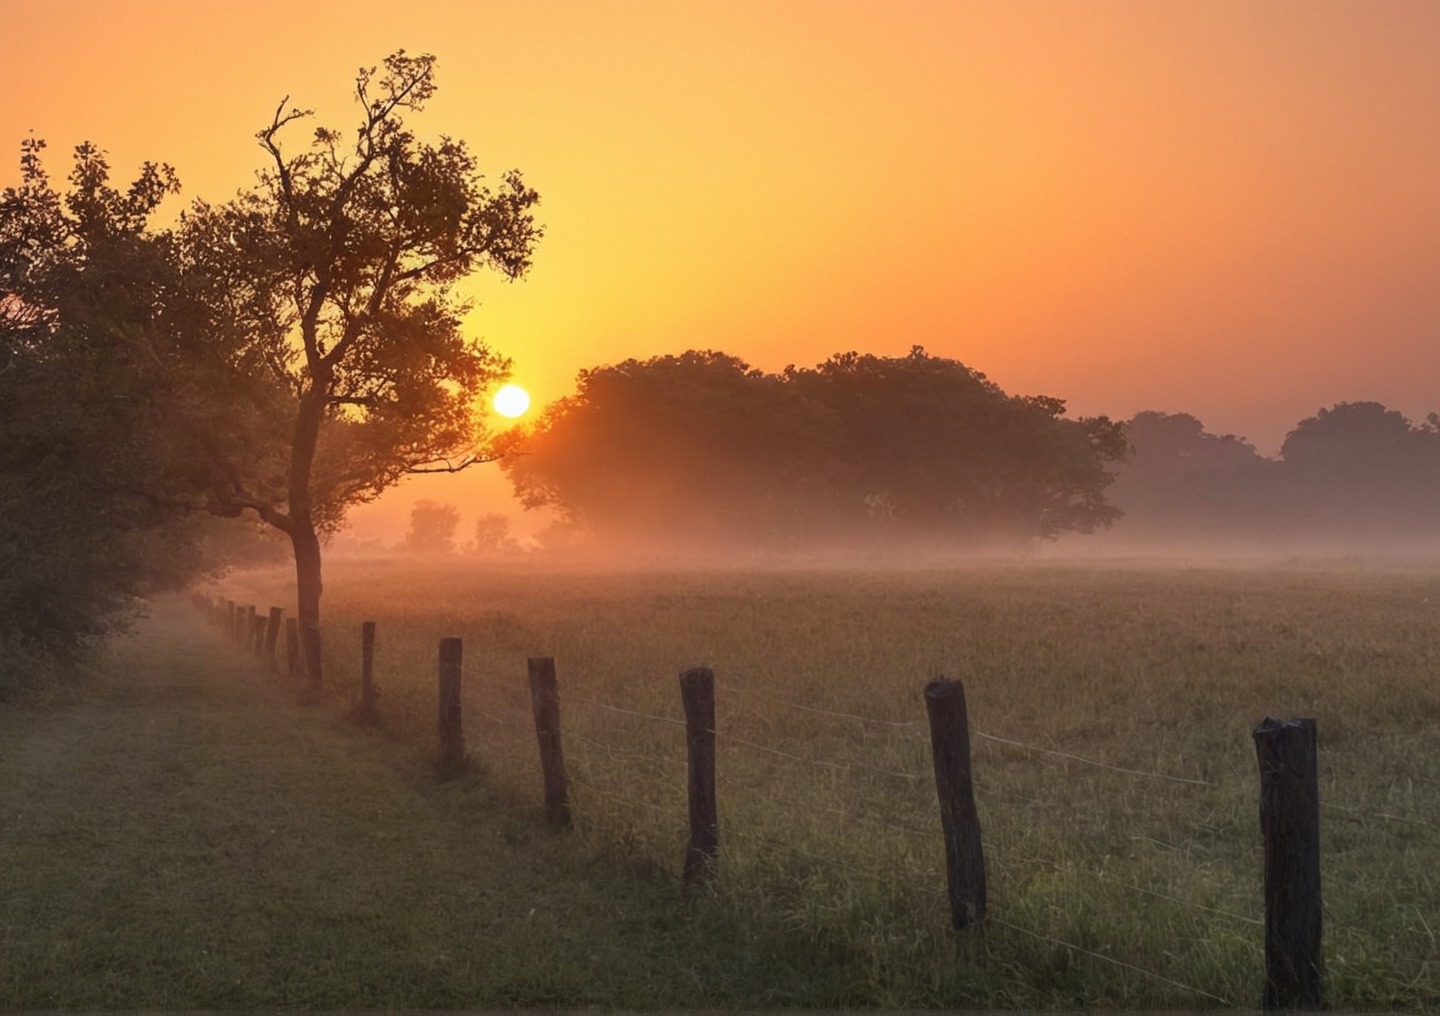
point(701, 446)
point(331, 292)
point(1354, 476)
point(86, 423)
point(432, 528)
point(285, 354)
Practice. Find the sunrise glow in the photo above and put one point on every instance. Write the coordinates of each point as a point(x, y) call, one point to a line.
point(511, 401)
point(1222, 208)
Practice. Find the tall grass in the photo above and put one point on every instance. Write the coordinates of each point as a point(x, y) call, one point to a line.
point(1136, 888)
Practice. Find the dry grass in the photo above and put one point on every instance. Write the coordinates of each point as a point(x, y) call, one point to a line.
point(1107, 887)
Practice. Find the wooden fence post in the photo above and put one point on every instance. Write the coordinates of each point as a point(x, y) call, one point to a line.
point(367, 670)
point(697, 692)
point(292, 646)
point(545, 704)
point(245, 634)
point(1290, 822)
point(229, 628)
point(272, 635)
point(452, 740)
point(950, 748)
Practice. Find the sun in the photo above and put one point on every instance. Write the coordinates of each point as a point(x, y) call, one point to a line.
point(511, 401)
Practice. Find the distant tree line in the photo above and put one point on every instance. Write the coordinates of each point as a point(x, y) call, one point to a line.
point(702, 449)
point(1356, 475)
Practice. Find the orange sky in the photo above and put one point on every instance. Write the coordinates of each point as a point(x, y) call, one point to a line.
point(1222, 207)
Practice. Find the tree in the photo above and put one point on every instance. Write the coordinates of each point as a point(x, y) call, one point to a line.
point(933, 448)
point(696, 448)
point(1360, 469)
point(334, 318)
point(85, 432)
point(1182, 480)
point(432, 528)
point(492, 536)
point(701, 447)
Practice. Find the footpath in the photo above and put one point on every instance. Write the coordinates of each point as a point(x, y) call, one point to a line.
point(190, 836)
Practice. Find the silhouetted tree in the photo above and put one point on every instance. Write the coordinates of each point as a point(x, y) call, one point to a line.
point(303, 340)
point(432, 528)
point(936, 448)
point(331, 293)
point(1362, 470)
point(701, 446)
point(492, 535)
point(86, 427)
point(694, 447)
point(1182, 481)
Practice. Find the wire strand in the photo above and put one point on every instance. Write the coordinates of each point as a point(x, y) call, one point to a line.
point(1110, 959)
point(816, 709)
point(1092, 762)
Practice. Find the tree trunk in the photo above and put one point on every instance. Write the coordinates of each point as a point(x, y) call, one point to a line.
point(306, 543)
point(303, 536)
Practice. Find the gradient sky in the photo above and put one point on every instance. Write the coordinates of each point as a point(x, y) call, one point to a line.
point(1223, 207)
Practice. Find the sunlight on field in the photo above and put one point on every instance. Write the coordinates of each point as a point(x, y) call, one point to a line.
point(1122, 888)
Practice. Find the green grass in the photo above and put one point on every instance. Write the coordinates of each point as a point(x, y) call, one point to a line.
point(188, 837)
point(1107, 889)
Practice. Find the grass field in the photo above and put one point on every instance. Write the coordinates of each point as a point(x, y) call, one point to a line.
point(1107, 888)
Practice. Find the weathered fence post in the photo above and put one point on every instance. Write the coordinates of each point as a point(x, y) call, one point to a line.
point(231, 608)
point(292, 646)
point(452, 741)
point(545, 704)
point(272, 635)
point(950, 748)
point(245, 632)
point(1290, 822)
point(367, 670)
point(697, 692)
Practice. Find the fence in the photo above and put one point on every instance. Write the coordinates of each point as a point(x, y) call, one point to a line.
point(1286, 753)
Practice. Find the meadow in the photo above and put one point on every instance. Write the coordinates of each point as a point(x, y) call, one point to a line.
point(1112, 706)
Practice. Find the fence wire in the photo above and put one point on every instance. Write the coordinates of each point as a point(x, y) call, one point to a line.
point(492, 710)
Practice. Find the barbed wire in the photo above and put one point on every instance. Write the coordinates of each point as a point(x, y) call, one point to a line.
point(518, 689)
point(630, 753)
point(589, 787)
point(852, 816)
point(627, 712)
point(1110, 959)
point(1091, 761)
point(1387, 816)
point(1177, 899)
point(816, 709)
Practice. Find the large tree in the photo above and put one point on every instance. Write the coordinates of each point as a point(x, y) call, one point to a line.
point(936, 449)
point(1183, 481)
point(1363, 472)
point(703, 448)
point(696, 447)
point(89, 299)
point(334, 318)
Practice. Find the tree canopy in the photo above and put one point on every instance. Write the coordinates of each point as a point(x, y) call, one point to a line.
point(1356, 475)
point(701, 446)
point(86, 422)
point(299, 348)
point(331, 287)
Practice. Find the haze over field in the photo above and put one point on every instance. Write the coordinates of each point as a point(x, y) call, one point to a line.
point(1219, 208)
